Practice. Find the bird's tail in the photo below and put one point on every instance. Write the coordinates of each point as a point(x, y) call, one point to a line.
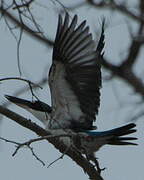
point(115, 136)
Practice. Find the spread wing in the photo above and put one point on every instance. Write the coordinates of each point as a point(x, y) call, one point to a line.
point(75, 54)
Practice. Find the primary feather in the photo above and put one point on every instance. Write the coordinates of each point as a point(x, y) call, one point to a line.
point(75, 75)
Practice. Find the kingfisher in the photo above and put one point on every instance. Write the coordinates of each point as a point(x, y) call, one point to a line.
point(75, 82)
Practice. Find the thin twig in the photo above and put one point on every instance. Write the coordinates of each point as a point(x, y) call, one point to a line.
point(20, 145)
point(61, 157)
point(37, 158)
point(9, 141)
point(18, 51)
point(115, 6)
point(28, 30)
point(72, 153)
point(26, 4)
point(21, 79)
point(44, 138)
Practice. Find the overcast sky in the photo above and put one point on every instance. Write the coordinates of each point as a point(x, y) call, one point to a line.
point(122, 163)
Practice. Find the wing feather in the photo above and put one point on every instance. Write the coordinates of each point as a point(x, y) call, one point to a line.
point(69, 32)
point(75, 49)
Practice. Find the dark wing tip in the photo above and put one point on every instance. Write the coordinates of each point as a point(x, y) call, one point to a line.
point(74, 48)
point(101, 43)
point(131, 125)
point(128, 126)
point(124, 130)
point(11, 98)
point(122, 141)
point(18, 101)
point(118, 133)
point(118, 142)
point(36, 105)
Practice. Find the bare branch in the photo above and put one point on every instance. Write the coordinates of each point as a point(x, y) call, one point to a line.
point(134, 50)
point(21, 79)
point(25, 89)
point(33, 153)
point(61, 157)
point(26, 4)
point(25, 80)
point(115, 6)
point(18, 50)
point(74, 155)
point(20, 145)
point(23, 26)
point(27, 143)
point(9, 141)
point(126, 75)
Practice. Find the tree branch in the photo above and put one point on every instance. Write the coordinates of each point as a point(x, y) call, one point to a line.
point(72, 153)
point(134, 49)
point(115, 6)
point(23, 26)
point(126, 75)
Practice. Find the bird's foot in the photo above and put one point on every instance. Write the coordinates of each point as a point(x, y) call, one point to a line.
point(91, 157)
point(98, 166)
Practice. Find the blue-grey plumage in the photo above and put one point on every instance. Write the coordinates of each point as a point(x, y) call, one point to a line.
point(75, 82)
point(87, 142)
point(93, 140)
point(90, 140)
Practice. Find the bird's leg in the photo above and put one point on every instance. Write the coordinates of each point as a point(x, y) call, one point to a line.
point(98, 166)
point(95, 161)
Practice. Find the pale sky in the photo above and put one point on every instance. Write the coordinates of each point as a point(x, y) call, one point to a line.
point(122, 163)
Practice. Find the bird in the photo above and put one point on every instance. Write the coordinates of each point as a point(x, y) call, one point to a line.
point(88, 142)
point(74, 77)
point(75, 81)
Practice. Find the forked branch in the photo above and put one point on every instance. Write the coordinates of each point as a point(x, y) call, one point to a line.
point(72, 153)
